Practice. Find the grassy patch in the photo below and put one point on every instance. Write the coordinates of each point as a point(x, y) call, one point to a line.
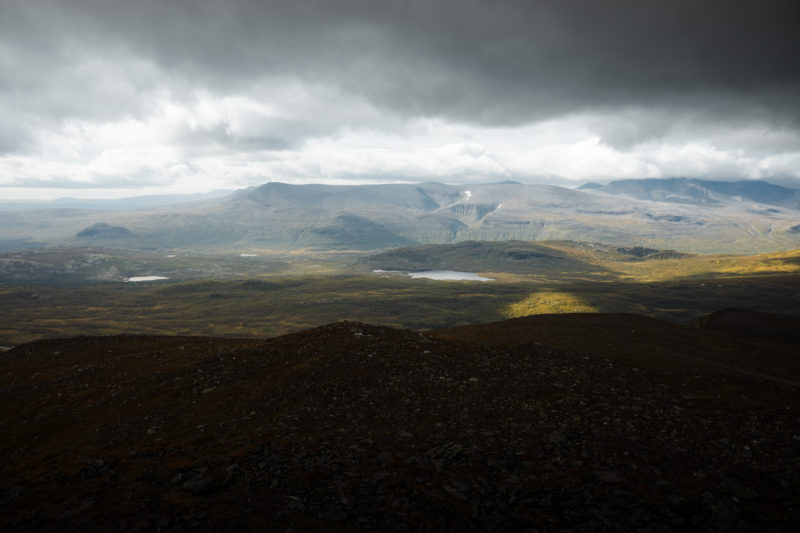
point(547, 302)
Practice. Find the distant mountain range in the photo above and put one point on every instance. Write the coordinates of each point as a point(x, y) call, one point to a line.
point(700, 192)
point(120, 204)
point(680, 214)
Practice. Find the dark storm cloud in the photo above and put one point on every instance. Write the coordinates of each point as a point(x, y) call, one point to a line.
point(93, 89)
point(482, 62)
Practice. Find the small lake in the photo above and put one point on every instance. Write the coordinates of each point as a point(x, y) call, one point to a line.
point(441, 275)
point(144, 278)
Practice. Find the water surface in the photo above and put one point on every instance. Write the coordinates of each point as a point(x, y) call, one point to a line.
point(440, 275)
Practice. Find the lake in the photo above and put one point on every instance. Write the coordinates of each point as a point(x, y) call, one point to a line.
point(441, 275)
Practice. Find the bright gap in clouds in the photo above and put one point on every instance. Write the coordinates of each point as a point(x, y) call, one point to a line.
point(212, 143)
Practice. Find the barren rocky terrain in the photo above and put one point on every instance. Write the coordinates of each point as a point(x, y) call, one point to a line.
point(549, 423)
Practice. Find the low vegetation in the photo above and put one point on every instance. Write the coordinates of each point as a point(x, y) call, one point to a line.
point(546, 302)
point(264, 307)
point(69, 292)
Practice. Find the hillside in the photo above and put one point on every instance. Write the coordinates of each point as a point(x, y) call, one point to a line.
point(508, 256)
point(555, 260)
point(351, 427)
point(684, 215)
point(560, 261)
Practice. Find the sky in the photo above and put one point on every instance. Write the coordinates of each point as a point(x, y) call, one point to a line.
point(114, 98)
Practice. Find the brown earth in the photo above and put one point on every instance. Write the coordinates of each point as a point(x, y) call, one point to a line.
point(549, 423)
point(762, 325)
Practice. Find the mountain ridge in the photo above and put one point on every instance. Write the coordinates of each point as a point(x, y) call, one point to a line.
point(700, 192)
point(685, 215)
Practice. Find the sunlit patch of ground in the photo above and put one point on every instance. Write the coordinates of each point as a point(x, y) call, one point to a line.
point(546, 302)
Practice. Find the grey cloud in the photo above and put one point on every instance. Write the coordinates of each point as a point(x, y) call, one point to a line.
point(481, 62)
point(13, 138)
point(219, 134)
point(745, 130)
point(106, 181)
point(628, 127)
point(720, 62)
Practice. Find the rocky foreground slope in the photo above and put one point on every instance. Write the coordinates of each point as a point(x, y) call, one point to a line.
point(550, 423)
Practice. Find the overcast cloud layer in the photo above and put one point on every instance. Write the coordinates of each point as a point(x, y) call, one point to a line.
point(112, 98)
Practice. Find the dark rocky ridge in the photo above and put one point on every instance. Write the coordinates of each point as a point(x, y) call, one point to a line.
point(351, 427)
